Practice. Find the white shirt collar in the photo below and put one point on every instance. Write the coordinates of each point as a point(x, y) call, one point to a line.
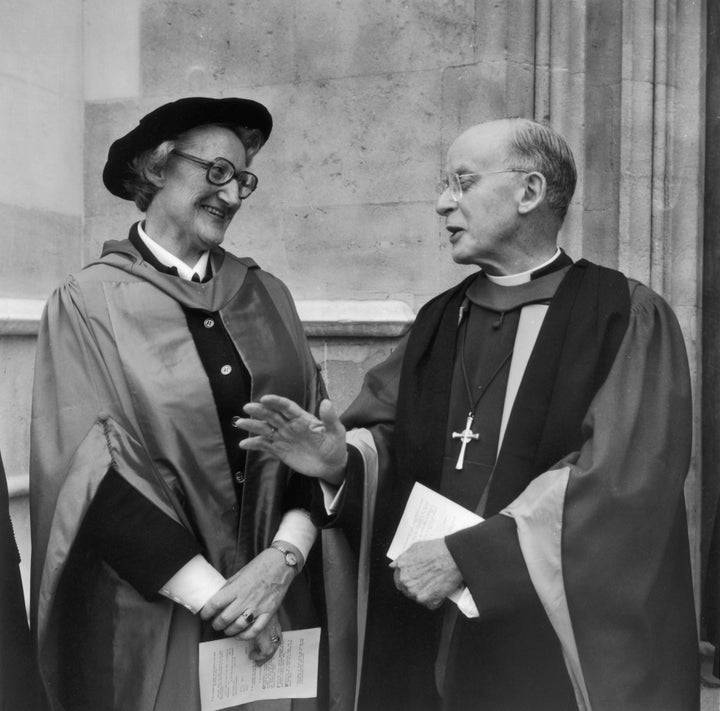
point(170, 260)
point(522, 277)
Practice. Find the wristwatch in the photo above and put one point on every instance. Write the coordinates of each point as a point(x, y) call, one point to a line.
point(291, 559)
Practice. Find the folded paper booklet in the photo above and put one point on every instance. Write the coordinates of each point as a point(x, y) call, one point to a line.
point(228, 677)
point(430, 515)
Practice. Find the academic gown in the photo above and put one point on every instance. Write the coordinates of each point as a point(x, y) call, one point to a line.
point(581, 570)
point(120, 389)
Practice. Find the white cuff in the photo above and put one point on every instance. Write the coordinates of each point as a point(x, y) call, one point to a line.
point(194, 584)
point(464, 600)
point(297, 528)
point(331, 496)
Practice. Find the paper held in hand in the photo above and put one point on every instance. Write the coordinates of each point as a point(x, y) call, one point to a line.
point(430, 515)
point(228, 677)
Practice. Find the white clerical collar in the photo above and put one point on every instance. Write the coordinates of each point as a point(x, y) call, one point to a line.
point(170, 260)
point(522, 277)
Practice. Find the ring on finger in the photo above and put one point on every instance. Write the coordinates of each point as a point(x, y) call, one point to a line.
point(271, 436)
point(248, 616)
point(275, 638)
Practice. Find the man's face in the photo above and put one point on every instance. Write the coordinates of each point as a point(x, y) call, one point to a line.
point(483, 223)
point(193, 213)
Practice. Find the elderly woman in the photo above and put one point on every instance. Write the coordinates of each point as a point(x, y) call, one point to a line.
point(152, 530)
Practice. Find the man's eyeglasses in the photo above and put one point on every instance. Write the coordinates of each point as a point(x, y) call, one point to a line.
point(221, 171)
point(456, 183)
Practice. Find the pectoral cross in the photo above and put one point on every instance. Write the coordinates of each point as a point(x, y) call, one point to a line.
point(466, 436)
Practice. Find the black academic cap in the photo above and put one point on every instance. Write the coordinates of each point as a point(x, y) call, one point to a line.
point(169, 121)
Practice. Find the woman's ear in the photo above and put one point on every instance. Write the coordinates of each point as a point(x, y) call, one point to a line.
point(534, 193)
point(155, 175)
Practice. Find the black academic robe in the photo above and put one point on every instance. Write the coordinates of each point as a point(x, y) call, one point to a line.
point(581, 570)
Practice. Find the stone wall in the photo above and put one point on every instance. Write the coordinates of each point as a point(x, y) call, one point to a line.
point(41, 149)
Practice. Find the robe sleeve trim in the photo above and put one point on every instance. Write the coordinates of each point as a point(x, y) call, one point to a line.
point(363, 441)
point(140, 542)
point(538, 515)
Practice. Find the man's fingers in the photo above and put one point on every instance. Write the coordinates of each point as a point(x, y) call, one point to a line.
point(252, 425)
point(260, 443)
point(282, 406)
point(274, 408)
point(260, 421)
point(277, 411)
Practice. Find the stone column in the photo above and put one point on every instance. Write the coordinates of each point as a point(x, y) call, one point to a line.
point(626, 79)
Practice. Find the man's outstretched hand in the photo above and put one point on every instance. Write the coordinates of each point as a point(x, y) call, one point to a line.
point(309, 445)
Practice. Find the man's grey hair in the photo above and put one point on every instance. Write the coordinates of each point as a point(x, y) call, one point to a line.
point(153, 160)
point(535, 146)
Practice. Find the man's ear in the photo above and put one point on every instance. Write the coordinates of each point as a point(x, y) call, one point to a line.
point(534, 193)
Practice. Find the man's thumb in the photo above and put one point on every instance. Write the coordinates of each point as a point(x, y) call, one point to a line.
point(328, 414)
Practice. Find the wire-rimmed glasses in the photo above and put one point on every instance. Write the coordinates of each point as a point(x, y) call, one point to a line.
point(457, 182)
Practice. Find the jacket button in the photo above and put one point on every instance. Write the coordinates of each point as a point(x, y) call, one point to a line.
point(239, 477)
point(226, 369)
point(208, 323)
point(236, 421)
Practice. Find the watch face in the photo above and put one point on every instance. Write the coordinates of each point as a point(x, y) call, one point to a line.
point(291, 559)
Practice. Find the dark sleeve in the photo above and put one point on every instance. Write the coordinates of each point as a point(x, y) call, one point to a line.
point(373, 409)
point(143, 545)
point(348, 515)
point(299, 493)
point(493, 568)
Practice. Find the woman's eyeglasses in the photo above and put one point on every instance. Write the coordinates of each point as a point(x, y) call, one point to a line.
point(221, 171)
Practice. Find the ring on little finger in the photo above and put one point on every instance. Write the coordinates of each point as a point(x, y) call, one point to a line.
point(275, 638)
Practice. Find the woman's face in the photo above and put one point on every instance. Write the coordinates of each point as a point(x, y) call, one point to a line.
point(188, 214)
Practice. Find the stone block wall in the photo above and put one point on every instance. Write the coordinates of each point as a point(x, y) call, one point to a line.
point(41, 114)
